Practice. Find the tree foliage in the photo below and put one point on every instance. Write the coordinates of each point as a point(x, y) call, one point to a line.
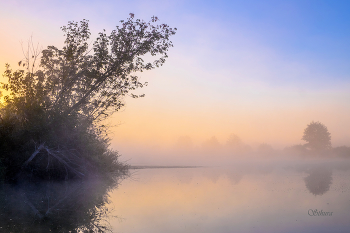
point(91, 82)
point(234, 141)
point(317, 136)
point(61, 102)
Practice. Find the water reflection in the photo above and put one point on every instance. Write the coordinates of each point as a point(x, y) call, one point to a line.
point(319, 180)
point(71, 206)
point(246, 197)
point(234, 176)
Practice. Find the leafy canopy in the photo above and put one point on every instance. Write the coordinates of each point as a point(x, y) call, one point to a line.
point(55, 108)
point(317, 136)
point(88, 81)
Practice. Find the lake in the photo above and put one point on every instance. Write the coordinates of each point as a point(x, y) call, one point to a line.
point(260, 196)
point(248, 197)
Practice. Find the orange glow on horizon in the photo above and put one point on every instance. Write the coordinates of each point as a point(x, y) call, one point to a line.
point(279, 127)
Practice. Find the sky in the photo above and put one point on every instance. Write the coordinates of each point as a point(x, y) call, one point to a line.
point(262, 70)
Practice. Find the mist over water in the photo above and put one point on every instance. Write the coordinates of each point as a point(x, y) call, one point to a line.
point(315, 143)
point(247, 196)
point(224, 155)
point(284, 196)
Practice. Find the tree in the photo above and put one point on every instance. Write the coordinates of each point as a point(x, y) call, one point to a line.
point(211, 144)
point(317, 136)
point(234, 141)
point(58, 107)
point(92, 82)
point(265, 148)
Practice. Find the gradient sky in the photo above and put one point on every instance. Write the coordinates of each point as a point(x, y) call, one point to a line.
point(260, 69)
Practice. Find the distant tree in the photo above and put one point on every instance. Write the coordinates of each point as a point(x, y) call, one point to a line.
point(296, 150)
point(265, 150)
point(264, 147)
point(234, 141)
point(234, 144)
point(342, 151)
point(212, 144)
point(317, 136)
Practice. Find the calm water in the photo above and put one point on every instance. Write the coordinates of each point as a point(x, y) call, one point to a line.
point(246, 197)
point(242, 198)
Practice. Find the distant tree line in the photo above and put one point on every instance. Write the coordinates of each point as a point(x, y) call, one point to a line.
point(318, 143)
point(316, 136)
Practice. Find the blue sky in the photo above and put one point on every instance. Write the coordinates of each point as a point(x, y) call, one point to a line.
point(313, 33)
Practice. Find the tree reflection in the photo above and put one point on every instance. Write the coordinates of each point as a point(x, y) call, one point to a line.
point(71, 206)
point(319, 180)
